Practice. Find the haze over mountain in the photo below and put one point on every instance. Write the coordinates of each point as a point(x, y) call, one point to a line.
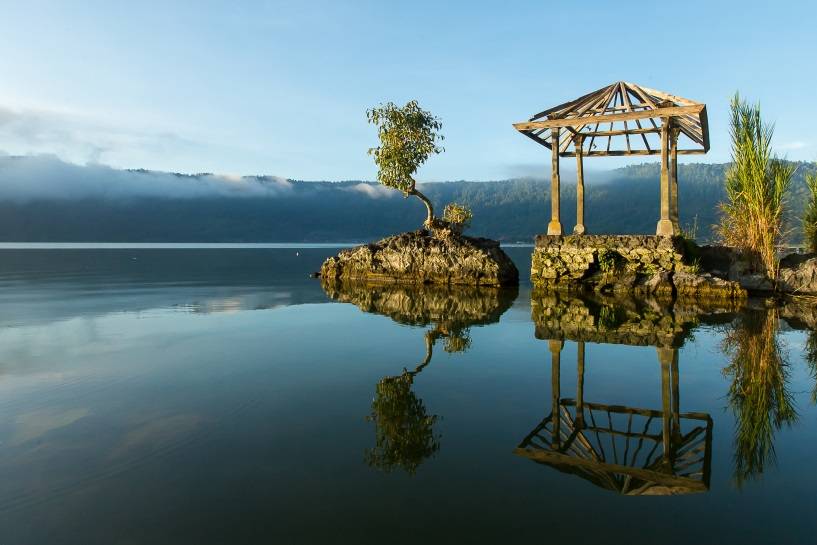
point(44, 199)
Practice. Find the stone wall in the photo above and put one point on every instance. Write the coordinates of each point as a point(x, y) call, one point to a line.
point(639, 264)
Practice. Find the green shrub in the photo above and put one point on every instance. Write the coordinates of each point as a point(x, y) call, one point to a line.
point(609, 260)
point(458, 215)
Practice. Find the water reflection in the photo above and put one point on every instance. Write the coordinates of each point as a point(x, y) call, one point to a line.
point(404, 431)
point(811, 361)
point(759, 393)
point(626, 449)
point(619, 320)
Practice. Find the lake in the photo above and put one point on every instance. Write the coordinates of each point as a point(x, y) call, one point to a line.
point(220, 395)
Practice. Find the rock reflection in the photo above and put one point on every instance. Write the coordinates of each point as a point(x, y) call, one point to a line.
point(629, 450)
point(622, 320)
point(759, 394)
point(404, 430)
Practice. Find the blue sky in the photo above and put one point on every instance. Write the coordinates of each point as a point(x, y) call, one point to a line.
point(281, 87)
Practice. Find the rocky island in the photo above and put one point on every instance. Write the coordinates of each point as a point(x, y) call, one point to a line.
point(425, 257)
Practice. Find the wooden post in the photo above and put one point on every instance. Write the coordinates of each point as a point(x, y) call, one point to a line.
point(673, 179)
point(579, 228)
point(555, 226)
point(665, 227)
point(555, 389)
point(676, 398)
point(580, 385)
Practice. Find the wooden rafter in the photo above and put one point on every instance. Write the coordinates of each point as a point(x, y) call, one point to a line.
point(620, 103)
point(670, 111)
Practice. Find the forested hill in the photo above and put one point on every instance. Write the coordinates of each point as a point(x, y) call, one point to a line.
point(626, 201)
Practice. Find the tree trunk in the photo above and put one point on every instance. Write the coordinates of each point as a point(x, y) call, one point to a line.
point(431, 337)
point(430, 207)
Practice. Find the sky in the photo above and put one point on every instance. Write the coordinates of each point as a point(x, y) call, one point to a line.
point(281, 88)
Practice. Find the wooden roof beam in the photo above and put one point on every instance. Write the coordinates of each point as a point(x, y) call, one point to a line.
point(624, 153)
point(619, 132)
point(564, 106)
point(672, 111)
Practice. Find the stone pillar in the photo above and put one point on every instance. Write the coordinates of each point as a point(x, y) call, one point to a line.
point(579, 229)
point(555, 226)
point(555, 389)
point(665, 228)
point(673, 179)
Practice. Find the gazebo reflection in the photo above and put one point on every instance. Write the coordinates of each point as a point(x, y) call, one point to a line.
point(629, 450)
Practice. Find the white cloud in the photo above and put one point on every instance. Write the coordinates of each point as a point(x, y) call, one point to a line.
point(374, 191)
point(80, 137)
point(46, 176)
point(792, 146)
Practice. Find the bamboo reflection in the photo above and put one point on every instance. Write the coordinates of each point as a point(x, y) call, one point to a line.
point(629, 450)
point(759, 392)
point(811, 361)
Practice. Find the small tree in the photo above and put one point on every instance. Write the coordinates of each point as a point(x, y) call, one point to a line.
point(756, 186)
point(408, 136)
point(810, 213)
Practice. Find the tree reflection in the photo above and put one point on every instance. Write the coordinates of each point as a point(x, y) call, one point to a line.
point(404, 430)
point(759, 394)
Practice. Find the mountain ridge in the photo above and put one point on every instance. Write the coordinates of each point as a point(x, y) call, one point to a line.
point(209, 208)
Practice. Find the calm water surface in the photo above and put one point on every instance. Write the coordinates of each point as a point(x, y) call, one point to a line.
point(221, 396)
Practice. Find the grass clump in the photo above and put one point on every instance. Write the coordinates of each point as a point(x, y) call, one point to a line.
point(609, 260)
point(810, 214)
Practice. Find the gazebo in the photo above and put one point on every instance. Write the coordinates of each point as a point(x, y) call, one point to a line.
point(620, 119)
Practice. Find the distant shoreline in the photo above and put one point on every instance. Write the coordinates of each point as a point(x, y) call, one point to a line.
point(188, 245)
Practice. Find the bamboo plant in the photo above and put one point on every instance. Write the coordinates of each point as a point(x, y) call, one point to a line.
point(756, 187)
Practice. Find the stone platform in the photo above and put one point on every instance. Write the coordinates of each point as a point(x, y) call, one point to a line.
point(639, 264)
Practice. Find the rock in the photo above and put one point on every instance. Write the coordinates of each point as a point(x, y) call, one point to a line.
point(798, 274)
point(706, 286)
point(754, 282)
point(418, 257)
point(659, 284)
